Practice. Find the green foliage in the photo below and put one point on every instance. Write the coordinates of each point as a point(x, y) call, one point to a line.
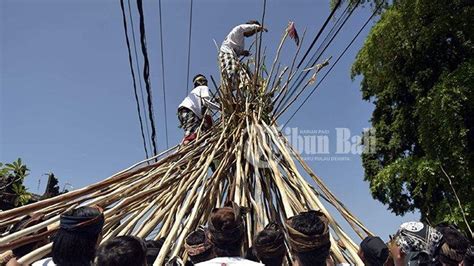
point(418, 69)
point(12, 191)
point(362, 3)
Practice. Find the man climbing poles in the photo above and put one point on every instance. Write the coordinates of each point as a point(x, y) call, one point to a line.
point(233, 47)
point(192, 109)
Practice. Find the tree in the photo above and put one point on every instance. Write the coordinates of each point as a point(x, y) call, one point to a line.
point(52, 188)
point(12, 191)
point(418, 70)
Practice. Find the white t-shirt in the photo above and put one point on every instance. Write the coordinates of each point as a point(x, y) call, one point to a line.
point(224, 261)
point(235, 40)
point(44, 262)
point(195, 99)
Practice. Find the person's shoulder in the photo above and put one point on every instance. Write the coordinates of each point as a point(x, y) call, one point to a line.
point(229, 261)
point(44, 262)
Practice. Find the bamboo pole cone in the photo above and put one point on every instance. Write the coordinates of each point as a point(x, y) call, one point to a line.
point(174, 192)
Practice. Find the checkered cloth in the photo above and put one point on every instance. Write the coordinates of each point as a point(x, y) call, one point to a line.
point(188, 121)
point(232, 70)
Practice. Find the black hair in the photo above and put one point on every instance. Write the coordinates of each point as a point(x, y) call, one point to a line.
point(197, 76)
point(250, 254)
point(455, 240)
point(253, 22)
point(469, 257)
point(269, 236)
point(153, 248)
point(195, 238)
point(309, 223)
point(122, 251)
point(75, 248)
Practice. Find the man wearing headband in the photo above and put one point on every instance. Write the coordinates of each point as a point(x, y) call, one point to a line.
point(192, 109)
point(308, 237)
point(234, 46)
point(269, 245)
point(415, 243)
point(454, 246)
point(226, 233)
point(373, 251)
point(79, 234)
point(198, 246)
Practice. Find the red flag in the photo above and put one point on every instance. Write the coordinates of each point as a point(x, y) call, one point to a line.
point(293, 33)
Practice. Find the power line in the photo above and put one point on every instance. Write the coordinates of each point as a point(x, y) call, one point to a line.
point(318, 54)
point(147, 127)
point(189, 45)
point(299, 79)
point(333, 65)
point(319, 33)
point(163, 75)
point(146, 74)
point(133, 76)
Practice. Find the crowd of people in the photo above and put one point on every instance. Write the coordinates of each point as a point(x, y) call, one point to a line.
point(302, 240)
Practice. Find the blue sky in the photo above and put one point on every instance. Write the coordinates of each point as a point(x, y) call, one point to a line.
point(67, 103)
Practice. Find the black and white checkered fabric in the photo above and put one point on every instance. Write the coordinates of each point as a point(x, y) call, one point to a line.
point(232, 70)
point(188, 121)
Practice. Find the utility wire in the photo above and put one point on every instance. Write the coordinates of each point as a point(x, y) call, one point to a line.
point(189, 45)
point(146, 74)
point(147, 127)
point(319, 33)
point(333, 65)
point(314, 59)
point(133, 76)
point(163, 75)
point(298, 80)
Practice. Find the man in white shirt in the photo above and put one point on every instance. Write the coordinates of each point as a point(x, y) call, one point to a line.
point(192, 109)
point(234, 46)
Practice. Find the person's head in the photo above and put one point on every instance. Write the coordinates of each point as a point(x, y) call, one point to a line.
point(469, 257)
point(122, 251)
point(308, 234)
point(415, 243)
point(269, 245)
point(153, 248)
point(198, 246)
point(373, 251)
point(199, 80)
point(27, 221)
point(226, 230)
point(252, 32)
point(454, 247)
point(79, 234)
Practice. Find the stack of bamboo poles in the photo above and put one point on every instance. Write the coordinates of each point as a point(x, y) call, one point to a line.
point(170, 195)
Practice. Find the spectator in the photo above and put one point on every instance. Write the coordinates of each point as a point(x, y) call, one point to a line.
point(308, 234)
point(226, 233)
point(153, 248)
point(269, 245)
point(469, 257)
point(415, 243)
point(198, 246)
point(122, 251)
point(373, 251)
point(80, 232)
point(454, 246)
point(18, 252)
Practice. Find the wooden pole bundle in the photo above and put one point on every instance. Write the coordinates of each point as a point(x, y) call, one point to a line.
point(169, 195)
